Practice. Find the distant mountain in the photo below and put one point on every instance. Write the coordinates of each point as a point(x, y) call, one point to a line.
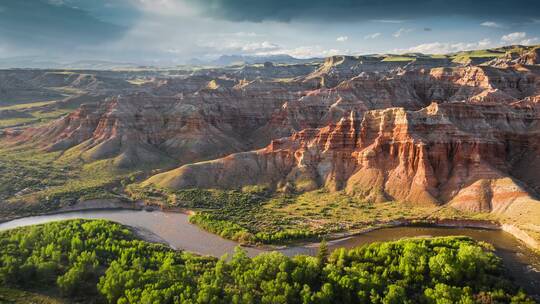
point(98, 65)
point(21, 62)
point(31, 62)
point(228, 60)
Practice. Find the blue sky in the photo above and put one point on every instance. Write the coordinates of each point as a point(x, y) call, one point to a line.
point(174, 31)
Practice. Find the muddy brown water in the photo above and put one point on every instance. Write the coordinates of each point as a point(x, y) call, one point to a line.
point(174, 229)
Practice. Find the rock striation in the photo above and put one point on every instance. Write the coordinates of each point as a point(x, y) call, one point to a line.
point(426, 130)
point(473, 156)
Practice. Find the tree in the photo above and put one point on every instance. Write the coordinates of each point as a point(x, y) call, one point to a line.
point(395, 295)
point(322, 254)
point(81, 277)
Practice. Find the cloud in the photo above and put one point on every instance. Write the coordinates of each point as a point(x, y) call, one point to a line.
point(388, 21)
point(445, 47)
point(259, 47)
point(491, 24)
point(513, 37)
point(39, 24)
point(239, 46)
point(245, 34)
point(167, 7)
point(361, 10)
point(306, 52)
point(484, 43)
point(56, 2)
point(427, 29)
point(519, 38)
point(529, 41)
point(402, 31)
point(342, 38)
point(267, 48)
point(240, 34)
point(372, 36)
point(147, 31)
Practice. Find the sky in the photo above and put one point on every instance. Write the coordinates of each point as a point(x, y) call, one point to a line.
point(164, 32)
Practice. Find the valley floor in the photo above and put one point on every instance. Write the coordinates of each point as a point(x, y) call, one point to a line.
point(254, 216)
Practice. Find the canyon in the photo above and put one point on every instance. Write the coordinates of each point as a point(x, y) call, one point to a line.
point(428, 131)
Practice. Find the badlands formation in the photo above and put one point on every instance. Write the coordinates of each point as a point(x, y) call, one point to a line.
point(427, 131)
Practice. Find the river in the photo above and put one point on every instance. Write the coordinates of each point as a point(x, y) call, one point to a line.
point(174, 229)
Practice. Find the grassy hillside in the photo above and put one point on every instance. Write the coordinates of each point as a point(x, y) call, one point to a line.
point(34, 181)
point(20, 112)
point(488, 54)
point(477, 56)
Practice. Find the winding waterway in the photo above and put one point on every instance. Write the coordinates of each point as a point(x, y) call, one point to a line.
point(174, 229)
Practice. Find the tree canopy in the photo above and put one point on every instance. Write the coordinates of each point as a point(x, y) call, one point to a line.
point(105, 262)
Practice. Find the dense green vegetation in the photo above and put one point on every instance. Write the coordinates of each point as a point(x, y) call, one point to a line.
point(99, 261)
point(230, 230)
point(244, 216)
point(255, 215)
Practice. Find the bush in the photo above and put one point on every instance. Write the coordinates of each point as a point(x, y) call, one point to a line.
point(223, 228)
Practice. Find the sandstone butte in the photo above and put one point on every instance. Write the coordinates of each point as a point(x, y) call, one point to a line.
point(429, 132)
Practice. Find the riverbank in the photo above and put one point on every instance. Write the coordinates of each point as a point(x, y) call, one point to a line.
point(254, 217)
point(453, 223)
point(334, 238)
point(175, 230)
point(103, 205)
point(90, 205)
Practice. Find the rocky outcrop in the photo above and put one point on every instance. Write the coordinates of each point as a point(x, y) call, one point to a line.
point(336, 69)
point(16, 85)
point(339, 68)
point(145, 129)
point(273, 71)
point(468, 155)
point(411, 90)
point(530, 58)
point(195, 118)
point(424, 130)
point(135, 130)
point(516, 55)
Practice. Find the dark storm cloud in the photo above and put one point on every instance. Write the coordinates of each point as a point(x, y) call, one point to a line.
point(40, 23)
point(347, 10)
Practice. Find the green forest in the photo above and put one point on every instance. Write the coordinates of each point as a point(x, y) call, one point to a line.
point(97, 261)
